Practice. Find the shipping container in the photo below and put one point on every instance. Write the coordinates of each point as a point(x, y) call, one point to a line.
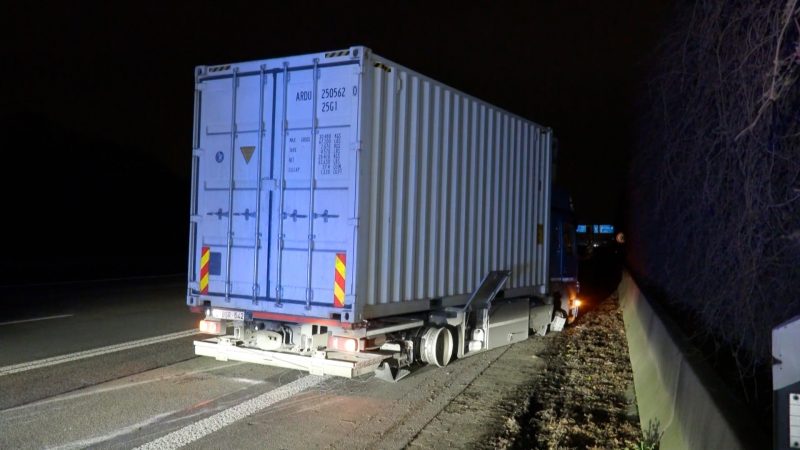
point(338, 188)
point(343, 185)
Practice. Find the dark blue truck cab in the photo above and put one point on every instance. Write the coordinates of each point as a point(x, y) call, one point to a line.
point(564, 284)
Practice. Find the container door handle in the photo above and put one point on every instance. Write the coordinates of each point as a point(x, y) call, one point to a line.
point(294, 216)
point(325, 216)
point(247, 214)
point(219, 213)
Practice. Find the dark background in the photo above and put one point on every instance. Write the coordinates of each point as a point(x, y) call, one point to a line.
point(96, 108)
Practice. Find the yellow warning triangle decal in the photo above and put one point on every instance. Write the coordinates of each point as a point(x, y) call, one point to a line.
point(247, 152)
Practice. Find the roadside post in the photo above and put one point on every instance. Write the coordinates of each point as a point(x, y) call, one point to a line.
point(786, 384)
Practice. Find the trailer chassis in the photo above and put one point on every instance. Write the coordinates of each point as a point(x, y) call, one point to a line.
point(390, 347)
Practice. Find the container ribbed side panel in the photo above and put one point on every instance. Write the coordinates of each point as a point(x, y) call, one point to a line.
point(457, 188)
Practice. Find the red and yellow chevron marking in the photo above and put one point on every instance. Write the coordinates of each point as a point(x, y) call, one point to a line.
point(205, 257)
point(338, 284)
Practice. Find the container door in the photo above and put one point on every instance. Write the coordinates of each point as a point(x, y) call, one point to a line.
point(316, 205)
point(235, 138)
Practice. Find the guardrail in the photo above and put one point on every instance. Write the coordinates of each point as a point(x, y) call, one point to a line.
point(677, 393)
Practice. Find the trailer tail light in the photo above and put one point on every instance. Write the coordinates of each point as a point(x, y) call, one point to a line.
point(343, 344)
point(211, 327)
point(576, 302)
point(352, 345)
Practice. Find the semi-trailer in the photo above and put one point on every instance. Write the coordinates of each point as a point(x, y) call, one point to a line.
point(351, 215)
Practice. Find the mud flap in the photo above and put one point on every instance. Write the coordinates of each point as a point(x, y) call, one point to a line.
point(387, 372)
point(541, 317)
point(558, 323)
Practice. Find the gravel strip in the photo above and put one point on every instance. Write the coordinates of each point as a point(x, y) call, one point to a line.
point(584, 397)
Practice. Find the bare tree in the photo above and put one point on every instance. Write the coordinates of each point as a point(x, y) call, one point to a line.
point(716, 175)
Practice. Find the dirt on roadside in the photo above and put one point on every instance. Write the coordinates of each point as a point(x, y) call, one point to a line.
point(584, 397)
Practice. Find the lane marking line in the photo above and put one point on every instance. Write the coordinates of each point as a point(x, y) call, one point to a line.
point(84, 443)
point(104, 389)
point(245, 380)
point(38, 364)
point(202, 428)
point(36, 319)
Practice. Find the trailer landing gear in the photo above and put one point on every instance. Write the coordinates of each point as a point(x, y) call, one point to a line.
point(390, 373)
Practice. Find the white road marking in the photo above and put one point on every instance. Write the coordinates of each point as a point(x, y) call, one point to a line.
point(84, 443)
point(36, 319)
point(112, 388)
point(22, 367)
point(202, 428)
point(245, 380)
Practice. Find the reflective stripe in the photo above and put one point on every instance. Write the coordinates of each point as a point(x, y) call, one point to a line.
point(205, 258)
point(340, 268)
point(338, 293)
point(339, 274)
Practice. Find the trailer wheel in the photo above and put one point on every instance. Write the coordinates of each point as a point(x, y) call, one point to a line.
point(436, 346)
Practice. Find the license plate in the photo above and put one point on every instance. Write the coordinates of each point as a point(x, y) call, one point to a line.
point(227, 314)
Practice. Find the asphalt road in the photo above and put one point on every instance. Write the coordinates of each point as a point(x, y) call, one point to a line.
point(112, 366)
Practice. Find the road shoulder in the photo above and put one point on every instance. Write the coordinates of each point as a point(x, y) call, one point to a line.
point(490, 401)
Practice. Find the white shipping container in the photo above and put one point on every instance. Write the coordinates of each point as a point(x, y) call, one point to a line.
point(343, 186)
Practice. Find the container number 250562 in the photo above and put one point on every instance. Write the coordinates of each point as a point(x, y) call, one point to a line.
point(329, 97)
point(331, 93)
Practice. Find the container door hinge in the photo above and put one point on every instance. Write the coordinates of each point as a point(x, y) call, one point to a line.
point(353, 221)
point(198, 87)
point(196, 218)
point(355, 146)
point(198, 152)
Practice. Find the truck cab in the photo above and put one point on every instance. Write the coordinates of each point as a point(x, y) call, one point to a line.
point(564, 284)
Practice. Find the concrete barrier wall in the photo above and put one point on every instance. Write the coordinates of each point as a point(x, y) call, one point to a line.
point(676, 391)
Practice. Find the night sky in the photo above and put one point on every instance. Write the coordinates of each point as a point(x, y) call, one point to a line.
point(96, 109)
